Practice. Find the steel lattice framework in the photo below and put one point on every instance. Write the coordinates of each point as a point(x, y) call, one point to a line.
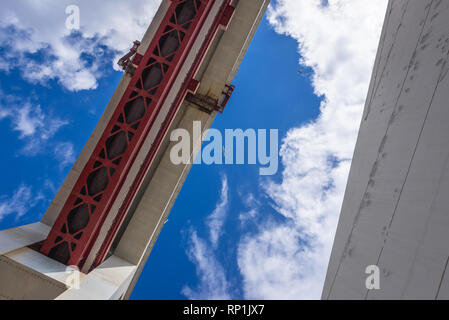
point(84, 212)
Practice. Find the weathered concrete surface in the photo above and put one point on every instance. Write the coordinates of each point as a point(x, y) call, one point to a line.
point(106, 282)
point(395, 211)
point(27, 274)
point(19, 237)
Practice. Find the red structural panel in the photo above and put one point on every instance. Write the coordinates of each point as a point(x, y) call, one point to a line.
point(98, 185)
point(190, 84)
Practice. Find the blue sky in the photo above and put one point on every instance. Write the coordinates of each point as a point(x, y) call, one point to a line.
point(274, 233)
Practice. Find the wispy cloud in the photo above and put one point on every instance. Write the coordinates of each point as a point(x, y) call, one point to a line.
point(213, 284)
point(211, 274)
point(252, 204)
point(34, 127)
point(64, 153)
point(338, 40)
point(20, 202)
point(217, 218)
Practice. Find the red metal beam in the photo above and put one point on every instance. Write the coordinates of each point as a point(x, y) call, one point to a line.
point(189, 84)
point(83, 214)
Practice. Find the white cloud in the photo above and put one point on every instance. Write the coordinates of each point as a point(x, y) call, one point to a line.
point(252, 204)
point(34, 127)
point(216, 219)
point(212, 279)
point(65, 154)
point(29, 27)
point(27, 119)
point(338, 41)
point(19, 203)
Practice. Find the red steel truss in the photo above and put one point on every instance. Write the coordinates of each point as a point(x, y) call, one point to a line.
point(190, 84)
point(83, 214)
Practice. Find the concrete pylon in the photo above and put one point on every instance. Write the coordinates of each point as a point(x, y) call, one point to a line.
point(391, 241)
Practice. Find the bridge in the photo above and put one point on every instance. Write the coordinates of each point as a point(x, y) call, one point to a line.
point(108, 213)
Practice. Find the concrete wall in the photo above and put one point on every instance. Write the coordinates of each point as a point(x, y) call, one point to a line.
point(395, 212)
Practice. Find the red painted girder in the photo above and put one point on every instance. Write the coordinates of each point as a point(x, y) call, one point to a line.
point(190, 84)
point(72, 237)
